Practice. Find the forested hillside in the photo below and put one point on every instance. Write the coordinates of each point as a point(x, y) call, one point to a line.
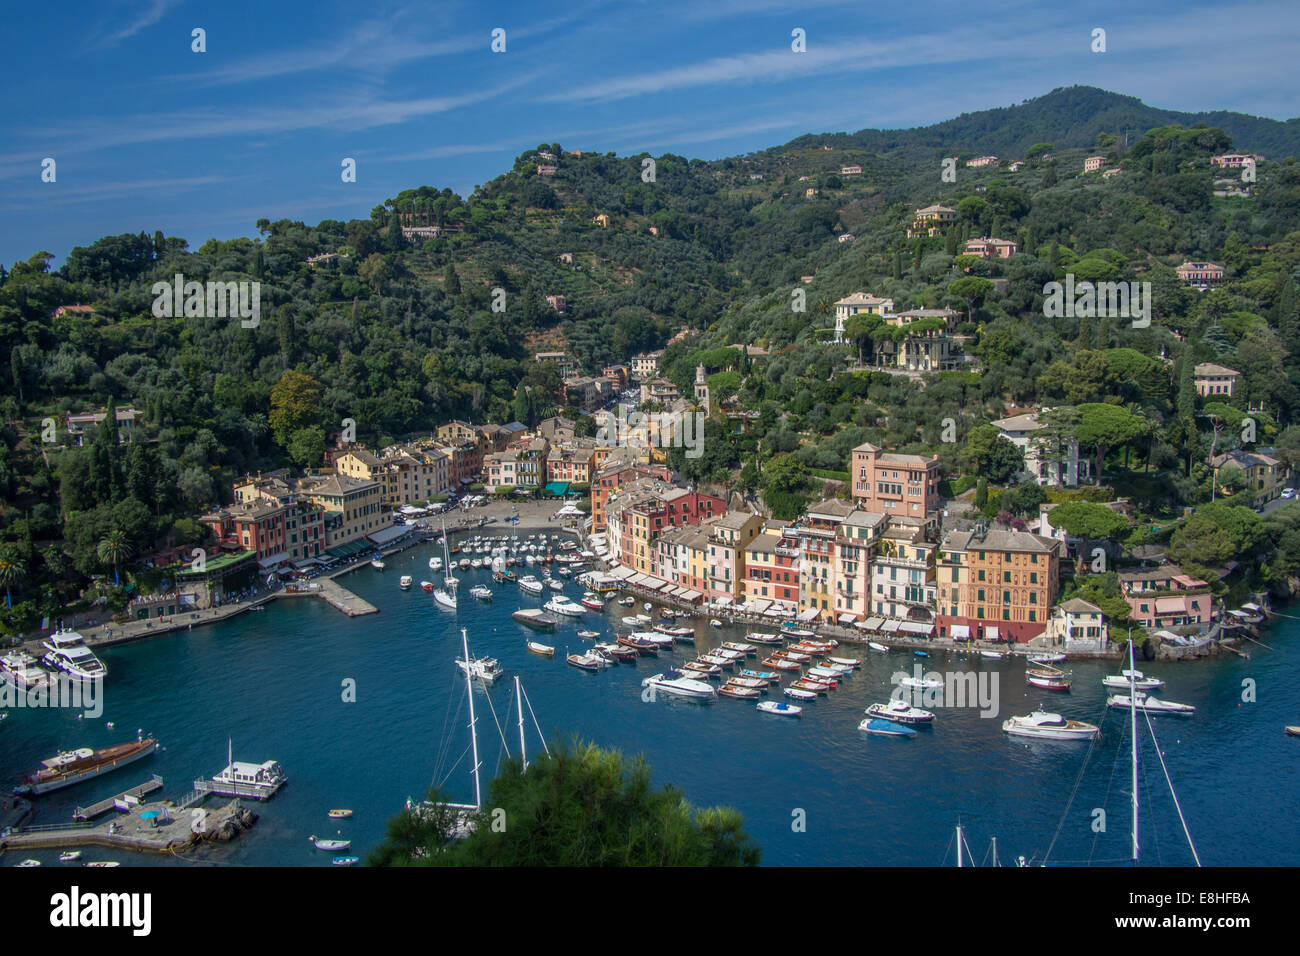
point(401, 336)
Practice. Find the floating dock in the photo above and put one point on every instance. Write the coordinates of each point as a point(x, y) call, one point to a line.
point(125, 801)
point(157, 828)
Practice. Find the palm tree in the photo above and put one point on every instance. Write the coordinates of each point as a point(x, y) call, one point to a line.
point(12, 571)
point(114, 549)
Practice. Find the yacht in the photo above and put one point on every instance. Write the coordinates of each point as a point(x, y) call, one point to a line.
point(68, 652)
point(900, 711)
point(485, 669)
point(1128, 680)
point(20, 669)
point(1049, 727)
point(562, 605)
point(1149, 704)
point(445, 596)
point(259, 781)
point(530, 585)
point(675, 683)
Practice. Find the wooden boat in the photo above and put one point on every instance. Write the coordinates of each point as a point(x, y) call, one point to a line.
point(780, 708)
point(1046, 660)
point(826, 673)
point(819, 681)
point(799, 694)
point(717, 660)
point(815, 647)
point(811, 686)
point(534, 618)
point(104, 864)
point(340, 814)
point(712, 670)
point(589, 635)
point(768, 676)
point(781, 665)
point(544, 650)
point(759, 637)
point(1292, 731)
point(739, 646)
point(737, 691)
point(749, 682)
point(625, 654)
point(1047, 680)
point(845, 661)
point(641, 645)
point(426, 585)
point(792, 656)
point(797, 634)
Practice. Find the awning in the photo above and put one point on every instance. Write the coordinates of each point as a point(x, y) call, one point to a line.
point(916, 627)
point(846, 618)
point(873, 623)
point(723, 601)
point(272, 560)
point(387, 535)
point(622, 573)
point(889, 627)
point(776, 613)
point(760, 605)
point(990, 633)
point(1170, 605)
point(809, 615)
point(691, 595)
point(961, 632)
point(557, 488)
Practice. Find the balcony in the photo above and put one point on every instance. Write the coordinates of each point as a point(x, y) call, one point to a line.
point(789, 552)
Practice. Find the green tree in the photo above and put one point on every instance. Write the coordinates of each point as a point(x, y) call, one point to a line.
point(577, 806)
point(1105, 427)
point(295, 404)
point(12, 571)
point(113, 549)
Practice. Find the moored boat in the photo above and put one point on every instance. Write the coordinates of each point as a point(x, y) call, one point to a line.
point(1132, 679)
point(340, 814)
point(1049, 726)
point(780, 708)
point(760, 637)
point(900, 711)
point(334, 845)
point(799, 694)
point(74, 766)
point(1149, 704)
point(739, 691)
point(545, 650)
point(679, 685)
point(534, 618)
point(404, 582)
point(886, 728)
point(881, 648)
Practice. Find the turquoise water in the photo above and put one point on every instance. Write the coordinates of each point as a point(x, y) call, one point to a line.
point(273, 682)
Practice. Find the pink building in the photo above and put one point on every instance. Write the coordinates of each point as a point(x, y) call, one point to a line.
point(1202, 275)
point(1166, 597)
point(990, 248)
point(1093, 163)
point(886, 483)
point(1215, 380)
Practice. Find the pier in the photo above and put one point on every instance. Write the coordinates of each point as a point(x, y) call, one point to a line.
point(334, 594)
point(124, 801)
point(148, 828)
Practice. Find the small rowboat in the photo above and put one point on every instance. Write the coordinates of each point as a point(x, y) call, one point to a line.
point(340, 814)
point(878, 647)
point(759, 675)
point(67, 856)
point(758, 637)
point(810, 686)
point(845, 661)
point(714, 622)
point(589, 635)
point(748, 682)
point(330, 844)
point(920, 653)
point(780, 707)
point(993, 655)
point(1047, 680)
point(742, 693)
point(816, 647)
point(798, 694)
point(345, 860)
point(426, 585)
point(698, 667)
point(781, 665)
point(792, 656)
point(545, 650)
point(1293, 731)
point(738, 646)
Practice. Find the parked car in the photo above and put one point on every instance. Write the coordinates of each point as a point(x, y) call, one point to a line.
point(1288, 492)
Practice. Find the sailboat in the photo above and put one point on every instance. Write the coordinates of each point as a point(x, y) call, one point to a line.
point(445, 596)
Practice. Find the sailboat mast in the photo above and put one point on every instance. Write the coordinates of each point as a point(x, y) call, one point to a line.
point(473, 733)
point(519, 702)
point(959, 846)
point(995, 851)
point(1133, 729)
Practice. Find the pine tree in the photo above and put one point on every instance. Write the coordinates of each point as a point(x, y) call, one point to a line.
point(1049, 176)
point(452, 285)
point(898, 263)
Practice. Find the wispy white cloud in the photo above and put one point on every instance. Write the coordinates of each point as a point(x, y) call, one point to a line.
point(153, 11)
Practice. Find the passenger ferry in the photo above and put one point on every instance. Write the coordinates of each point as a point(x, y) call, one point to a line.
point(68, 652)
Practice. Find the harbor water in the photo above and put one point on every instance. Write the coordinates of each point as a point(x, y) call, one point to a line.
point(813, 791)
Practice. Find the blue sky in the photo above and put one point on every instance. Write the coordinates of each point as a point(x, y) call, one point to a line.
point(149, 135)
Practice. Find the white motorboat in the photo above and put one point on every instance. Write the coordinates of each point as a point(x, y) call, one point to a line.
point(675, 683)
point(1149, 704)
point(592, 602)
point(1049, 727)
point(68, 652)
point(878, 647)
point(486, 669)
point(1139, 680)
point(562, 605)
point(850, 662)
point(993, 655)
point(779, 707)
point(482, 592)
point(885, 728)
point(435, 564)
point(627, 601)
point(334, 845)
point(530, 585)
point(554, 585)
point(900, 711)
point(377, 564)
point(19, 669)
point(404, 582)
point(648, 606)
point(921, 683)
point(714, 622)
point(68, 856)
point(1047, 660)
point(257, 780)
point(798, 694)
